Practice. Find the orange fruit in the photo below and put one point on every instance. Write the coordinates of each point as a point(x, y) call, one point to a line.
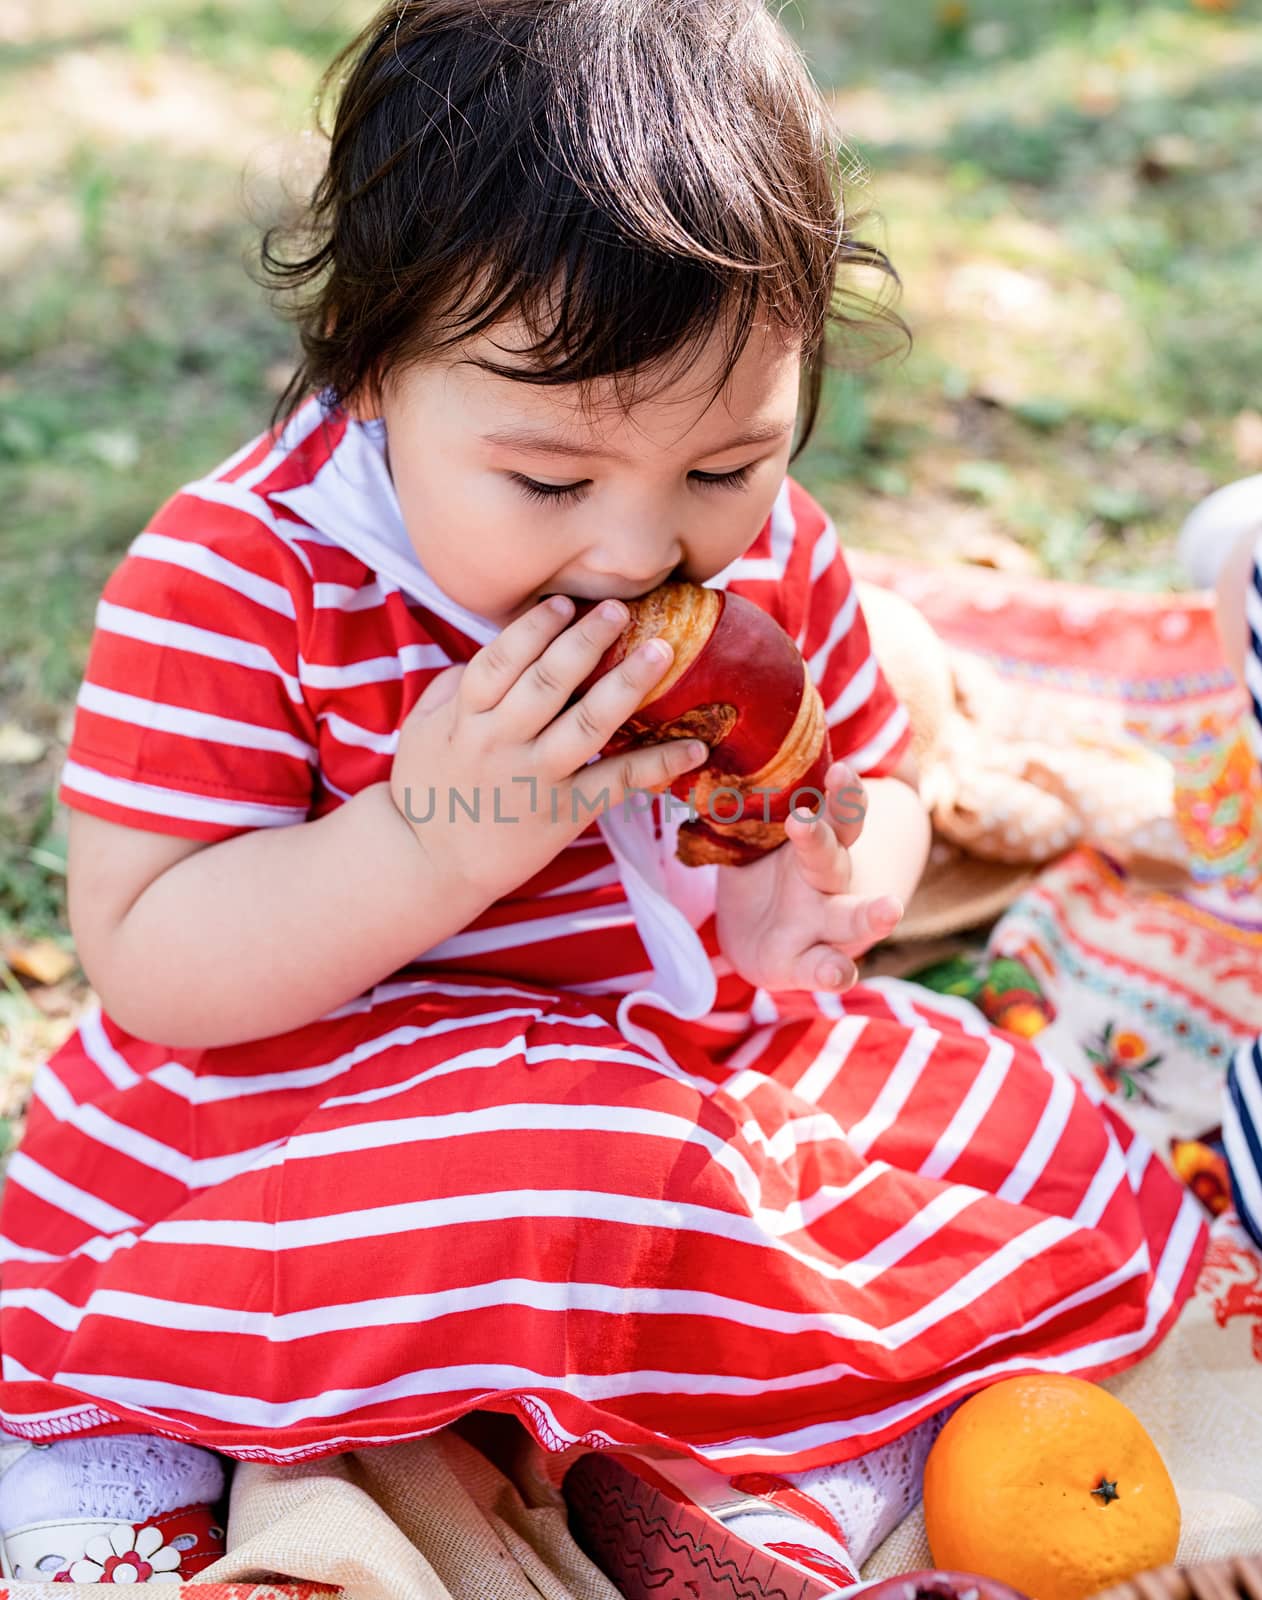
point(1051, 1485)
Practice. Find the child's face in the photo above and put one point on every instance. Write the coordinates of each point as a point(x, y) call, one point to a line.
point(640, 511)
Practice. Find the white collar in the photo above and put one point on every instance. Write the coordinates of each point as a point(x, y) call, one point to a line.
point(352, 501)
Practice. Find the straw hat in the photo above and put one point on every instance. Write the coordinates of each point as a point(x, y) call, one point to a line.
point(958, 892)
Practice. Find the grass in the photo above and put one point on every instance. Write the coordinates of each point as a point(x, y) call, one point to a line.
point(1071, 200)
point(1070, 191)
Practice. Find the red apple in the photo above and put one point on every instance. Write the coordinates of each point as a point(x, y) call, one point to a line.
point(934, 1584)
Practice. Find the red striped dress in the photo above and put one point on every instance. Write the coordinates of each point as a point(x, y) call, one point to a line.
point(798, 1227)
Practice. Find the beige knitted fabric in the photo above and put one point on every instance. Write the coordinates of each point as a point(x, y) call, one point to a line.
point(431, 1519)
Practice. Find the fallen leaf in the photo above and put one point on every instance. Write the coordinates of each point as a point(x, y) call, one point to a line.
point(990, 548)
point(39, 959)
point(1098, 94)
point(18, 748)
point(1246, 439)
point(1165, 155)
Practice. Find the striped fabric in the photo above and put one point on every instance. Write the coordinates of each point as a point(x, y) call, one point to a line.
point(1242, 1097)
point(814, 1223)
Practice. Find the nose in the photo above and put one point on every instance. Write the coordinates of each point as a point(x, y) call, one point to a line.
point(626, 579)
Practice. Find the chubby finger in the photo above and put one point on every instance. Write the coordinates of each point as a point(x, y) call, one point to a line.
point(584, 728)
point(549, 685)
point(858, 921)
point(821, 859)
point(822, 967)
point(500, 663)
point(628, 775)
point(846, 802)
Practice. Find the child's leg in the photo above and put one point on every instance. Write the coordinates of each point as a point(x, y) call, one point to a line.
point(1222, 544)
point(119, 1508)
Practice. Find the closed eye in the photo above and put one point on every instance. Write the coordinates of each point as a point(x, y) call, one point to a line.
point(565, 493)
point(724, 480)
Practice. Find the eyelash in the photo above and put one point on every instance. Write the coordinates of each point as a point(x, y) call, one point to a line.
point(553, 494)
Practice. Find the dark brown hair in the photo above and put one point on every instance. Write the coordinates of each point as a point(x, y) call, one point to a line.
point(627, 176)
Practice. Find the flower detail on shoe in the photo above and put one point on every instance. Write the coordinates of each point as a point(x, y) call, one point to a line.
point(125, 1555)
point(167, 1546)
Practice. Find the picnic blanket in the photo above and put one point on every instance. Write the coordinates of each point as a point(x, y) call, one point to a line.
point(1142, 986)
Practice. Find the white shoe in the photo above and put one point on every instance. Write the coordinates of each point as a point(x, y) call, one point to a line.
point(167, 1548)
point(65, 1517)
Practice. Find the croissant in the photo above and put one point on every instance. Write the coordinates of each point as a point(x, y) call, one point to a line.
point(739, 682)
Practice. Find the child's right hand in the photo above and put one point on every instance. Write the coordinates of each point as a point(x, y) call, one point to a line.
point(495, 733)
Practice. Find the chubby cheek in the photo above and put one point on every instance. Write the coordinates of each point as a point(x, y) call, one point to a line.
point(463, 538)
point(728, 530)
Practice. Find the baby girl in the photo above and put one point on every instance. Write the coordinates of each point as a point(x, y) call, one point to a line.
point(387, 1118)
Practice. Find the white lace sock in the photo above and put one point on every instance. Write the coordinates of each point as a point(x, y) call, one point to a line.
point(130, 1476)
point(867, 1497)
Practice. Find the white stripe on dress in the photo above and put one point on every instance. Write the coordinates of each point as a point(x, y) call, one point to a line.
point(202, 559)
point(167, 634)
point(263, 1412)
point(373, 669)
point(184, 722)
point(151, 797)
point(881, 743)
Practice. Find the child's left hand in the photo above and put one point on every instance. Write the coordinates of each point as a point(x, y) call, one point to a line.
point(788, 920)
